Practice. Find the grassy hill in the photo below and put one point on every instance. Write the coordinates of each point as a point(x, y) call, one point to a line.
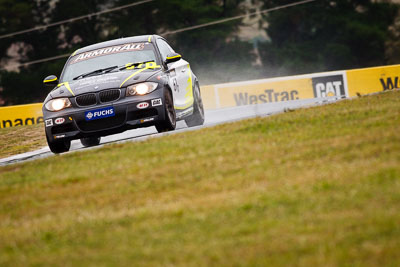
point(21, 139)
point(313, 187)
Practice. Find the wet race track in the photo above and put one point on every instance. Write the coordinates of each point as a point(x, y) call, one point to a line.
point(213, 117)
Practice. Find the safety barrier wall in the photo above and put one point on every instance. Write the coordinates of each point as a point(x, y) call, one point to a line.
point(336, 83)
point(21, 115)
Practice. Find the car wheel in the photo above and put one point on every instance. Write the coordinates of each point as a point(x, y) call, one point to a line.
point(90, 141)
point(169, 122)
point(58, 147)
point(197, 118)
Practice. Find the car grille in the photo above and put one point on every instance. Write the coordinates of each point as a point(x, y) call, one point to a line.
point(109, 95)
point(86, 100)
point(104, 97)
point(102, 124)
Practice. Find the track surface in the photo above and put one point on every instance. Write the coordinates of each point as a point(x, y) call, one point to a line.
point(213, 117)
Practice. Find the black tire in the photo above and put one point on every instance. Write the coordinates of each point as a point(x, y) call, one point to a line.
point(58, 147)
point(90, 141)
point(169, 123)
point(197, 118)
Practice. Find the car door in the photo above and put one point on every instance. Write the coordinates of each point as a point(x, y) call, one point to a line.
point(180, 78)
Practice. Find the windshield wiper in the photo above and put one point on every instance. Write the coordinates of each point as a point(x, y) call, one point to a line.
point(134, 64)
point(105, 70)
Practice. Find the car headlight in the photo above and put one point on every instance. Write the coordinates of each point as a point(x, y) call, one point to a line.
point(58, 104)
point(141, 88)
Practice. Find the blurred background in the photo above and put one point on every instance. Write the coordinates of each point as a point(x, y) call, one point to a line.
point(224, 40)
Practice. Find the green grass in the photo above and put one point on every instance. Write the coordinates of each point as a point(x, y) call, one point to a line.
point(313, 187)
point(20, 139)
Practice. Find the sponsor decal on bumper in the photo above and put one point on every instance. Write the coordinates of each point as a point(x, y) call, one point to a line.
point(59, 121)
point(49, 122)
point(59, 136)
point(146, 120)
point(142, 105)
point(99, 113)
point(156, 102)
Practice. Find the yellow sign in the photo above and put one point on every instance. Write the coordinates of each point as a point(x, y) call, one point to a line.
point(318, 85)
point(263, 91)
point(208, 96)
point(371, 80)
point(21, 115)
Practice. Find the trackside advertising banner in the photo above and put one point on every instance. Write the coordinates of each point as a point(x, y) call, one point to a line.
point(337, 83)
point(371, 80)
point(275, 90)
point(21, 115)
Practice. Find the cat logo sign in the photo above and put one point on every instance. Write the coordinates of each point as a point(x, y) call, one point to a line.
point(329, 86)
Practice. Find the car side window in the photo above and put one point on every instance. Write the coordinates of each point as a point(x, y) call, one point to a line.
point(165, 49)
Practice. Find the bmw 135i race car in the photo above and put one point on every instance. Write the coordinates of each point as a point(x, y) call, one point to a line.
point(110, 87)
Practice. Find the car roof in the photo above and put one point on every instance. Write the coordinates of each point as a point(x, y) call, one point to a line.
point(120, 41)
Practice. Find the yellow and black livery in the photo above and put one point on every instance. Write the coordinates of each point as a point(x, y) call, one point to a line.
point(122, 84)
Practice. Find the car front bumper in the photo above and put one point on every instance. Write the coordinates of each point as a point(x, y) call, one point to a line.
point(129, 113)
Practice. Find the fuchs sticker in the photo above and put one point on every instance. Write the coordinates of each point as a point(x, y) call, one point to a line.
point(49, 122)
point(59, 121)
point(156, 102)
point(142, 105)
point(99, 113)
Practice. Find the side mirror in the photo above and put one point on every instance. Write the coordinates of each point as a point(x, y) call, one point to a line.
point(51, 80)
point(173, 57)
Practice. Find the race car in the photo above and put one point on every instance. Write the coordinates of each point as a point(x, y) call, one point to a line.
point(117, 85)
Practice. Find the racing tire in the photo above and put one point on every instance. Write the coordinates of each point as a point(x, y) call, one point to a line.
point(90, 141)
point(58, 147)
point(169, 123)
point(197, 118)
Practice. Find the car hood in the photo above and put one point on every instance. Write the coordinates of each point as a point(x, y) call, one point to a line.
point(97, 83)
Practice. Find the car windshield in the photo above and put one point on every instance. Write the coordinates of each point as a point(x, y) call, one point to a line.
point(106, 57)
